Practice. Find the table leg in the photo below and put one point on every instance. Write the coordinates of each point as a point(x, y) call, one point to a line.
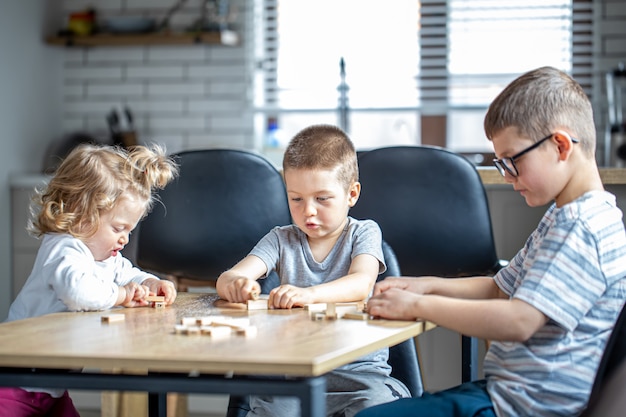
point(313, 404)
point(157, 404)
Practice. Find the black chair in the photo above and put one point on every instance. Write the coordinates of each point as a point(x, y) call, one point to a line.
point(609, 385)
point(402, 357)
point(432, 208)
point(221, 205)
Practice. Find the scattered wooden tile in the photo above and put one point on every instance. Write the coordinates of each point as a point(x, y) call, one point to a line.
point(331, 311)
point(260, 304)
point(216, 331)
point(110, 318)
point(192, 330)
point(356, 316)
point(157, 298)
point(188, 321)
point(315, 307)
point(318, 316)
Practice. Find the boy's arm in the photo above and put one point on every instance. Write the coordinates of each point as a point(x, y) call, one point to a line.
point(238, 283)
point(355, 286)
point(471, 287)
point(494, 319)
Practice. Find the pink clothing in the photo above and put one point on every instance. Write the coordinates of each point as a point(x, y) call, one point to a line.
point(16, 402)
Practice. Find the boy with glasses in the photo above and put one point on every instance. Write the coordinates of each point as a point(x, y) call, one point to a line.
point(549, 313)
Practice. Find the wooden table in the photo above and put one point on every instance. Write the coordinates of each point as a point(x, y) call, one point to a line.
point(143, 353)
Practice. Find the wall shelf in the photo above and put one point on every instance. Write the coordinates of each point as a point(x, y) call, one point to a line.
point(226, 37)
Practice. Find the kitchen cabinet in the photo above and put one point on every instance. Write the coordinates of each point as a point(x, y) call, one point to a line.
point(23, 246)
point(225, 37)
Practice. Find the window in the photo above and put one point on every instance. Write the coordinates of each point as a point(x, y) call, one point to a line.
point(407, 60)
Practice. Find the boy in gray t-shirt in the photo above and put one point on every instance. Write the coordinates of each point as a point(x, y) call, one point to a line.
point(325, 256)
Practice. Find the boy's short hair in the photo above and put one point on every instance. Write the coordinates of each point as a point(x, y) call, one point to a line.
point(541, 101)
point(323, 147)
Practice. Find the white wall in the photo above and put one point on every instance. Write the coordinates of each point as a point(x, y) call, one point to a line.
point(30, 106)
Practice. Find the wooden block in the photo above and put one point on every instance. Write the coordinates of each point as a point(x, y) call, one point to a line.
point(180, 328)
point(254, 295)
point(216, 331)
point(110, 318)
point(189, 321)
point(192, 330)
point(341, 310)
point(320, 307)
point(204, 321)
point(318, 316)
point(331, 311)
point(158, 304)
point(315, 307)
point(260, 304)
point(157, 298)
point(232, 322)
point(356, 316)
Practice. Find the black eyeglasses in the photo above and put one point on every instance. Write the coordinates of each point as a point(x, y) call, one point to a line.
point(505, 165)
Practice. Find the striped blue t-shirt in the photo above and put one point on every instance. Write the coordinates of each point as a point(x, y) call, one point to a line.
point(572, 268)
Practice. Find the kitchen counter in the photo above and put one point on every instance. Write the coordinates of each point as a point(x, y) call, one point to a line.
point(610, 176)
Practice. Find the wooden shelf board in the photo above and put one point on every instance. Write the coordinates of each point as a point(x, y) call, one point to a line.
point(108, 39)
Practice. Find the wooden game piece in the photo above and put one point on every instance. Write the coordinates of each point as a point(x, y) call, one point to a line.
point(204, 321)
point(356, 316)
point(318, 316)
point(110, 318)
point(260, 304)
point(155, 298)
point(315, 307)
point(341, 309)
point(331, 311)
point(254, 295)
point(240, 326)
point(180, 328)
point(188, 321)
point(216, 331)
point(192, 330)
point(234, 322)
point(158, 304)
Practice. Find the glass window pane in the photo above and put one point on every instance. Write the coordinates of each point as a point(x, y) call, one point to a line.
point(378, 42)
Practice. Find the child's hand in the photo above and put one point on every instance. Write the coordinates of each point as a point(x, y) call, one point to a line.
point(133, 295)
point(288, 296)
point(415, 285)
point(241, 290)
point(394, 304)
point(161, 287)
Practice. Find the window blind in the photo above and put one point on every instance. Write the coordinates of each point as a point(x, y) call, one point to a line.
point(435, 56)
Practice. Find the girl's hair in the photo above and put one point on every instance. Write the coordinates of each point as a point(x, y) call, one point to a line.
point(90, 181)
point(323, 147)
point(540, 101)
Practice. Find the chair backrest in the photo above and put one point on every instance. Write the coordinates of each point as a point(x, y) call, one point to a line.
point(403, 356)
point(611, 401)
point(213, 214)
point(612, 360)
point(432, 208)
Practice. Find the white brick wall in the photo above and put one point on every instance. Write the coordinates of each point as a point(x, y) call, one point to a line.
point(184, 97)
